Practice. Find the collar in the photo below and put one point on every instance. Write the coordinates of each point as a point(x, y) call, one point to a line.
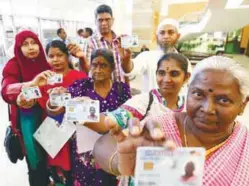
point(101, 38)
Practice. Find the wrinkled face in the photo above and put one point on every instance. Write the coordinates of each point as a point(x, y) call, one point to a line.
point(57, 59)
point(167, 36)
point(30, 48)
point(170, 77)
point(214, 101)
point(63, 34)
point(101, 69)
point(92, 110)
point(104, 22)
point(189, 168)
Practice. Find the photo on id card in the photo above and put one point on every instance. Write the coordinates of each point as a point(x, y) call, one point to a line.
point(159, 166)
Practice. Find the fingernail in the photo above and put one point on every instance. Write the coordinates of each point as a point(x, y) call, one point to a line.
point(135, 130)
point(157, 133)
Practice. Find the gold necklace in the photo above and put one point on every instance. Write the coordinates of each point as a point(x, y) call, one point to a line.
point(210, 151)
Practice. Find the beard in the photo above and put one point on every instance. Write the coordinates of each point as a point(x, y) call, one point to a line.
point(165, 47)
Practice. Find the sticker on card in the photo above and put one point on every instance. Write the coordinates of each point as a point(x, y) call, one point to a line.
point(31, 92)
point(52, 136)
point(54, 79)
point(161, 167)
point(59, 100)
point(82, 110)
point(129, 41)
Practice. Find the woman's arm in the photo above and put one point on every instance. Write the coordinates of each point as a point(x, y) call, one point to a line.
point(106, 159)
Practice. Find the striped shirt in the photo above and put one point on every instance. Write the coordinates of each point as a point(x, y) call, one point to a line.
point(97, 41)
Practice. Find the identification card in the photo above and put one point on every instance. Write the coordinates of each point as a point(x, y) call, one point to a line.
point(82, 111)
point(56, 78)
point(159, 166)
point(129, 41)
point(31, 93)
point(52, 136)
point(59, 100)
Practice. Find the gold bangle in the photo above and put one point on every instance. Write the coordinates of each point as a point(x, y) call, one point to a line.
point(110, 162)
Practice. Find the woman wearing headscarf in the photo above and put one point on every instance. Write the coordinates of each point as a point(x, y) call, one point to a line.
point(25, 69)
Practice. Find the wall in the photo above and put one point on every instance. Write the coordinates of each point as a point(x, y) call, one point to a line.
point(245, 37)
point(177, 11)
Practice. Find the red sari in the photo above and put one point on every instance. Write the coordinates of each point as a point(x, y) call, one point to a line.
point(62, 159)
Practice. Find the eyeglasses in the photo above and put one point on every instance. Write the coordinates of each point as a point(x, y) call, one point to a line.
point(101, 65)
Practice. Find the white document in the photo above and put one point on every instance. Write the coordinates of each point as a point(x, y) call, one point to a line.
point(85, 138)
point(53, 136)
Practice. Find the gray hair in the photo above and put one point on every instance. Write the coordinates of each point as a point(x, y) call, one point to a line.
point(228, 65)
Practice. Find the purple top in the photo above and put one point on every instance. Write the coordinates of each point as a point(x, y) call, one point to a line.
point(119, 93)
point(83, 166)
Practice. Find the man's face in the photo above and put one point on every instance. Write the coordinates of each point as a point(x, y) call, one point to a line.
point(104, 22)
point(167, 36)
point(63, 34)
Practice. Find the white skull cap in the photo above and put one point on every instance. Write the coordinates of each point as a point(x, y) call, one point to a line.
point(168, 21)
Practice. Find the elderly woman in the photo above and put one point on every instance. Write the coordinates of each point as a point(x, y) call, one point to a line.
point(110, 95)
point(218, 93)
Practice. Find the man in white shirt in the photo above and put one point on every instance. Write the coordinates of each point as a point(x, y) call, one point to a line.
point(145, 64)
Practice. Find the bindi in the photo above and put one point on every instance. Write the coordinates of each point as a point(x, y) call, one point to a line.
point(210, 90)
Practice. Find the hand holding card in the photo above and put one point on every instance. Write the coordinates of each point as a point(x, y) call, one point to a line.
point(31, 92)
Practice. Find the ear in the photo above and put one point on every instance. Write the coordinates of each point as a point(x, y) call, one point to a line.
point(178, 36)
point(187, 76)
point(243, 106)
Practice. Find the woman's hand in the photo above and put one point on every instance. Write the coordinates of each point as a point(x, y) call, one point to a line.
point(150, 135)
point(57, 90)
point(23, 103)
point(41, 79)
point(76, 51)
point(53, 110)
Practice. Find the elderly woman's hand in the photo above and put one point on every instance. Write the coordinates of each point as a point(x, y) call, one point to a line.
point(150, 135)
point(23, 103)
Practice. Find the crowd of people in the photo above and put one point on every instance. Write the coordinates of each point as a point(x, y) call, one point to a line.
point(178, 106)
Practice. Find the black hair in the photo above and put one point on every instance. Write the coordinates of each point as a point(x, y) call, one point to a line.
point(103, 9)
point(80, 31)
point(105, 53)
point(61, 46)
point(181, 60)
point(59, 30)
point(89, 30)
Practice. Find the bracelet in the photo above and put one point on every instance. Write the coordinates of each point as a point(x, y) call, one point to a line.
point(50, 109)
point(121, 116)
point(110, 162)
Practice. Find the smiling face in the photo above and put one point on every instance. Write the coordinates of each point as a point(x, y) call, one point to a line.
point(30, 48)
point(170, 77)
point(214, 101)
